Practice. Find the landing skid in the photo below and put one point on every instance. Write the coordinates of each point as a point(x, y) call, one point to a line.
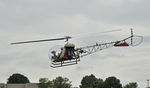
point(64, 63)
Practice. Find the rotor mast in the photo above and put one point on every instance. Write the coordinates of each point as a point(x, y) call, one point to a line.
point(67, 38)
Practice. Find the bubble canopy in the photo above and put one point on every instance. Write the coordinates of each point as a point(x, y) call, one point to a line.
point(55, 49)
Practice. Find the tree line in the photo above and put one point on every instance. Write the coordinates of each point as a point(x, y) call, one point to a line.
point(88, 81)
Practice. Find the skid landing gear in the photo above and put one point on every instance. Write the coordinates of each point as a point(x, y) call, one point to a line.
point(64, 63)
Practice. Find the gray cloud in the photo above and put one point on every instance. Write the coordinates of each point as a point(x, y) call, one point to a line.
point(37, 19)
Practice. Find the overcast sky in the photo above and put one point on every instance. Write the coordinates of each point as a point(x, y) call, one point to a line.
point(22, 20)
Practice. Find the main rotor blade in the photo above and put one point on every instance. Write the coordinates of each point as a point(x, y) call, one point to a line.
point(67, 37)
point(111, 31)
point(97, 33)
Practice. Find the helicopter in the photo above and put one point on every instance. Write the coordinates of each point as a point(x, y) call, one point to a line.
point(69, 55)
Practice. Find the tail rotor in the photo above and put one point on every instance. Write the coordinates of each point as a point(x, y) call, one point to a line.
point(135, 39)
point(131, 36)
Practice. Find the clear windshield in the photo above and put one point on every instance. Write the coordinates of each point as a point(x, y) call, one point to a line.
point(54, 51)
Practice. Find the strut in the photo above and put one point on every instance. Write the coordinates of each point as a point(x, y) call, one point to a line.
point(84, 51)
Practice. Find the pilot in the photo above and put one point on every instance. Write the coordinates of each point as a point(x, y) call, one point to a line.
point(54, 57)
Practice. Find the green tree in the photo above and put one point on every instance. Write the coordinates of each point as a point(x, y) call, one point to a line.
point(44, 83)
point(91, 82)
point(61, 82)
point(18, 78)
point(131, 85)
point(112, 82)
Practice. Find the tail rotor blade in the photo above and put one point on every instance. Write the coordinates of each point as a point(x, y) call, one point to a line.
point(131, 36)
